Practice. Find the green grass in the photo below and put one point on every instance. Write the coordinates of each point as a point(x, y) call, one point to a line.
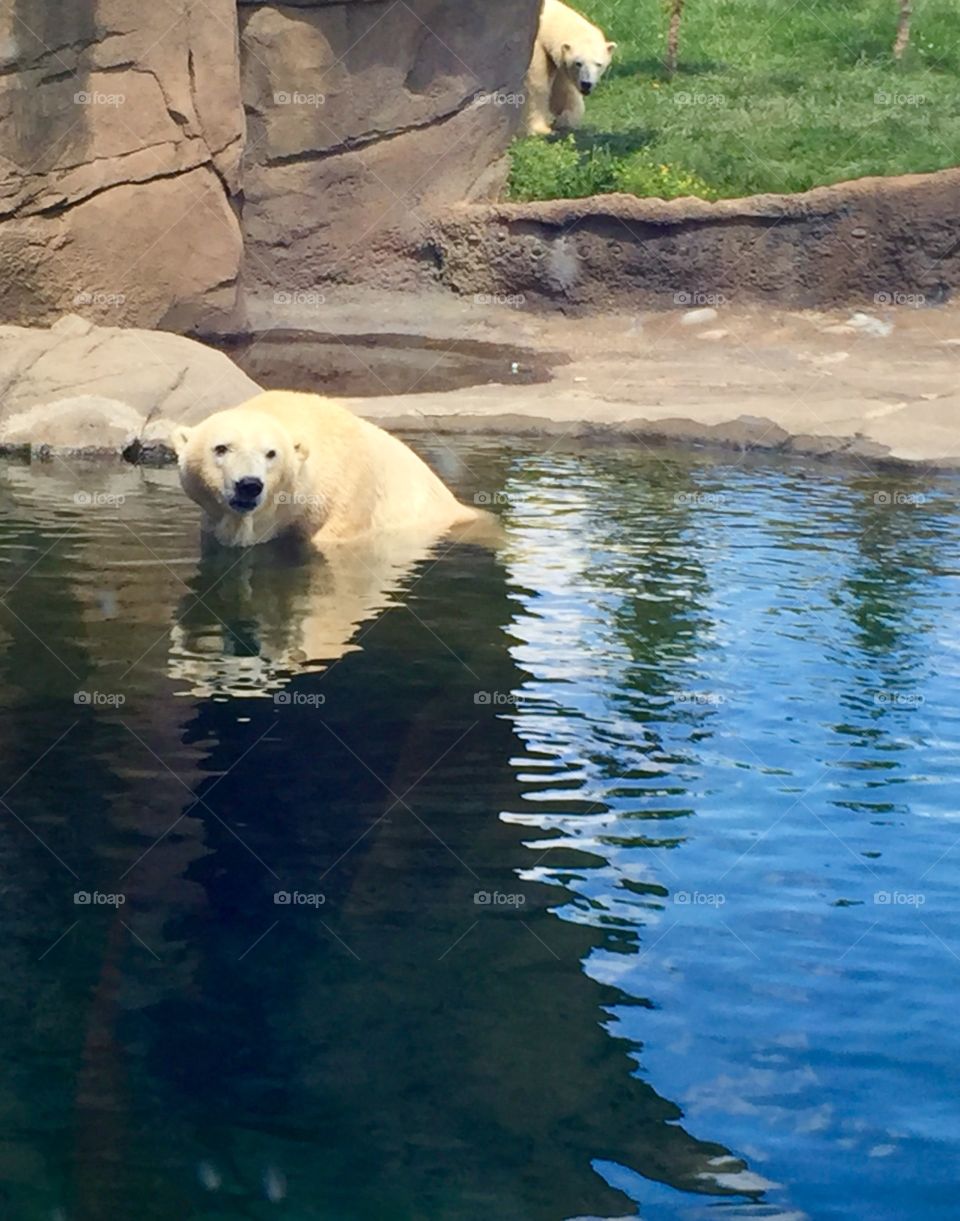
point(771, 95)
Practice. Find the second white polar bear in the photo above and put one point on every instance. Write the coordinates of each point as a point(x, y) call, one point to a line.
point(570, 55)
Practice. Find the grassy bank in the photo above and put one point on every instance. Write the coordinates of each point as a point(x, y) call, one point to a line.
point(771, 95)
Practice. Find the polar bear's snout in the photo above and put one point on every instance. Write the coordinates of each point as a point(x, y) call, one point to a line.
point(247, 493)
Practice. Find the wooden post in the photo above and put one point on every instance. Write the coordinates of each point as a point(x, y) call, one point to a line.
point(903, 29)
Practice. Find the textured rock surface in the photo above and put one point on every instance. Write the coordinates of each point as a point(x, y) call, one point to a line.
point(359, 113)
point(122, 136)
point(121, 132)
point(879, 240)
point(117, 381)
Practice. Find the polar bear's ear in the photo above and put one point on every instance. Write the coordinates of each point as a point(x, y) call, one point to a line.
point(611, 47)
point(180, 437)
point(301, 449)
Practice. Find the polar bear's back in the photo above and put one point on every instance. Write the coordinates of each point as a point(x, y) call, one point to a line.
point(368, 479)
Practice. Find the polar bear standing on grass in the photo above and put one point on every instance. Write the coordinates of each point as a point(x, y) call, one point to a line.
point(570, 55)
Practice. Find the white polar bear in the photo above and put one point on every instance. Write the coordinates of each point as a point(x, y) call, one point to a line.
point(570, 55)
point(288, 464)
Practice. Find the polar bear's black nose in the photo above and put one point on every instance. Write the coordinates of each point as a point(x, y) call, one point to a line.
point(586, 87)
point(248, 488)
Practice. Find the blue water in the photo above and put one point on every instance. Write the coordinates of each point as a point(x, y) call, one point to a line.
point(620, 861)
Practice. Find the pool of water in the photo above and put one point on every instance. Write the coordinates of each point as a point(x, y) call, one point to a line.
point(610, 874)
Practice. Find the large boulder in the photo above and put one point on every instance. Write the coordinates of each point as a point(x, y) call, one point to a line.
point(79, 387)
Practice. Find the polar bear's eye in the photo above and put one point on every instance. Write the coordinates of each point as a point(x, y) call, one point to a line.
point(271, 453)
point(220, 450)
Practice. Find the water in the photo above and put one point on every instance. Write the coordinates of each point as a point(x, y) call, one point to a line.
point(621, 864)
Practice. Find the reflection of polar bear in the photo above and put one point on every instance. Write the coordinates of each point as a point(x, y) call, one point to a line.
point(250, 625)
point(301, 465)
point(569, 57)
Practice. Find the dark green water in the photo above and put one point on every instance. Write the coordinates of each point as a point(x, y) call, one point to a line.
point(637, 845)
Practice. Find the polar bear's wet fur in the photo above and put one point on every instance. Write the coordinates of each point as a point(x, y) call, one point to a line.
point(570, 55)
point(297, 464)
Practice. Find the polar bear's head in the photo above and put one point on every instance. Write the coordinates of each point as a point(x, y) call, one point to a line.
point(239, 463)
point(586, 63)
